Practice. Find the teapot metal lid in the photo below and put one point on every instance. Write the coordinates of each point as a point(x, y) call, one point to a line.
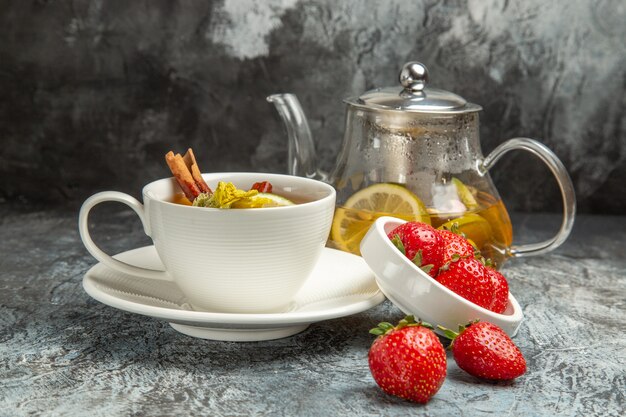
point(414, 96)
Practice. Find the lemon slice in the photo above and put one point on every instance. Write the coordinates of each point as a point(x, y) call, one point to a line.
point(353, 219)
point(181, 199)
point(475, 228)
point(261, 200)
point(465, 194)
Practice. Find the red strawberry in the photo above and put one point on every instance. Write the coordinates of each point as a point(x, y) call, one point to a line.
point(501, 290)
point(408, 360)
point(455, 246)
point(467, 277)
point(484, 350)
point(421, 244)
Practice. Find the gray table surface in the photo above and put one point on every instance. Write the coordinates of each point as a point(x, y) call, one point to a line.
point(63, 353)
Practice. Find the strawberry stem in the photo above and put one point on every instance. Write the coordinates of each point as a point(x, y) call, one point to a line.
point(452, 335)
point(409, 321)
point(449, 334)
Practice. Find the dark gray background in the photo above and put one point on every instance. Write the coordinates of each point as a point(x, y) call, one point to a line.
point(92, 94)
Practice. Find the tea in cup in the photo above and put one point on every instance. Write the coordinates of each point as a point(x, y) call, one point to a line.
point(229, 260)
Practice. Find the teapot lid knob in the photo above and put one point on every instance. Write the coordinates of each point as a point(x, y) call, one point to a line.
point(414, 96)
point(414, 76)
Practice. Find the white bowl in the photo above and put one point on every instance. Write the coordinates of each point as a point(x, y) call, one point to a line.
point(415, 292)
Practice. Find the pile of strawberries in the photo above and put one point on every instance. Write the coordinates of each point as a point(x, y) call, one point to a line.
point(452, 260)
point(408, 360)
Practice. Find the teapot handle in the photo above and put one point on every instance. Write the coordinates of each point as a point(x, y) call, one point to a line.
point(563, 180)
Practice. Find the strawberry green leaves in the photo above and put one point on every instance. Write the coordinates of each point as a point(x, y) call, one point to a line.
point(417, 259)
point(382, 328)
point(397, 242)
point(385, 327)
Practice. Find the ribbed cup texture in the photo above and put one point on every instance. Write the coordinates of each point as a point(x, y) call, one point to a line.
point(240, 260)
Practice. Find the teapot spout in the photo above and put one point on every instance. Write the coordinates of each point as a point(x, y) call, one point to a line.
point(301, 156)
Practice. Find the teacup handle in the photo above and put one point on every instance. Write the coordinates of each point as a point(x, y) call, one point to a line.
point(99, 254)
point(562, 178)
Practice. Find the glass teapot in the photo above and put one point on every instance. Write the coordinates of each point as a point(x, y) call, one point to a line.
point(413, 152)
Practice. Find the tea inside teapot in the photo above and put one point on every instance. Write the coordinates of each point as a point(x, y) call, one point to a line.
point(485, 222)
point(413, 152)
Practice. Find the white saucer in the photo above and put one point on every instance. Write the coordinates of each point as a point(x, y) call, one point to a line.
point(341, 284)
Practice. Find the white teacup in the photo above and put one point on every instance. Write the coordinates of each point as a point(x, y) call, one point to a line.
point(229, 260)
